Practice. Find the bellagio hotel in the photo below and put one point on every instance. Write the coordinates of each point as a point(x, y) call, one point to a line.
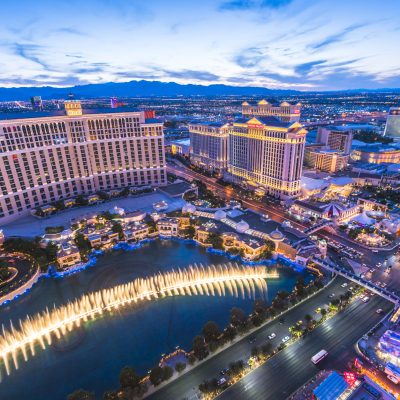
point(46, 157)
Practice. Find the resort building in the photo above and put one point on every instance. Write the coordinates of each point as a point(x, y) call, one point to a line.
point(267, 153)
point(392, 128)
point(168, 226)
point(284, 111)
point(136, 231)
point(50, 156)
point(327, 160)
point(336, 138)
point(68, 255)
point(248, 246)
point(377, 154)
point(209, 146)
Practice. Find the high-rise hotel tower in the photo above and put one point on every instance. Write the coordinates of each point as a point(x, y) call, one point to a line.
point(265, 148)
point(47, 156)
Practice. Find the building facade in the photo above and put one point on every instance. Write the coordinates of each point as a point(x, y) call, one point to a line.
point(392, 128)
point(377, 154)
point(267, 153)
point(209, 146)
point(284, 111)
point(45, 157)
point(327, 160)
point(336, 138)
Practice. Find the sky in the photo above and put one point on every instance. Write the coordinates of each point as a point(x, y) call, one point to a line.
point(278, 44)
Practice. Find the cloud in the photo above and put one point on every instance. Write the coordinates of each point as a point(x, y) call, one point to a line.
point(242, 5)
point(249, 58)
point(338, 37)
point(191, 74)
point(70, 31)
point(30, 52)
point(305, 68)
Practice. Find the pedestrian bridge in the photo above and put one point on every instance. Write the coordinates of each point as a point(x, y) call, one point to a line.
point(317, 227)
point(388, 295)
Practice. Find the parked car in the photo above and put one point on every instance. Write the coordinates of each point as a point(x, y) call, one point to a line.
point(285, 339)
point(272, 336)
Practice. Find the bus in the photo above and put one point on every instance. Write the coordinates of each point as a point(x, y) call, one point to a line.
point(319, 356)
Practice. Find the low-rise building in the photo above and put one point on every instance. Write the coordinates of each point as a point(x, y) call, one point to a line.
point(250, 247)
point(68, 255)
point(137, 231)
point(168, 226)
point(204, 230)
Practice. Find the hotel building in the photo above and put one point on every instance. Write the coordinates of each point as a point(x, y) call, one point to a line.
point(336, 138)
point(267, 153)
point(327, 160)
point(48, 156)
point(392, 128)
point(209, 146)
point(284, 111)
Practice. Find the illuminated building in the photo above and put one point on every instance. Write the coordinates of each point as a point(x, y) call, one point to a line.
point(377, 154)
point(37, 104)
point(392, 128)
point(50, 156)
point(284, 111)
point(336, 138)
point(267, 153)
point(209, 145)
point(327, 160)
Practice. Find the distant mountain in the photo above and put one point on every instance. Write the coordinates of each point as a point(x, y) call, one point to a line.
point(136, 89)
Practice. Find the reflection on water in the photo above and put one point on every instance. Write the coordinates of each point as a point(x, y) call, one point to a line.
point(92, 356)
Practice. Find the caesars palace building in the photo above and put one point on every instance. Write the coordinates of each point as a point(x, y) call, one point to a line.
point(48, 156)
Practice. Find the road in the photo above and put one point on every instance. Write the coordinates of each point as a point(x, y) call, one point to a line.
point(287, 371)
point(345, 335)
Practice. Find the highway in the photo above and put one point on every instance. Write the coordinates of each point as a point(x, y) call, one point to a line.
point(286, 372)
point(289, 369)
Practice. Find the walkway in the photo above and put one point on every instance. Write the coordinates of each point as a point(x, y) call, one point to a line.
point(357, 279)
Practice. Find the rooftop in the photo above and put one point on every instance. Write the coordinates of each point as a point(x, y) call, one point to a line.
point(61, 113)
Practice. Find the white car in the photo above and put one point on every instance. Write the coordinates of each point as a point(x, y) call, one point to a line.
point(344, 285)
point(379, 311)
point(365, 299)
point(271, 336)
point(285, 339)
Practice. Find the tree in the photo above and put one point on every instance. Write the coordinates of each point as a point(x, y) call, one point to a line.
point(117, 228)
point(110, 395)
point(211, 331)
point(215, 240)
point(83, 244)
point(128, 378)
point(266, 348)
point(167, 372)
point(199, 347)
point(238, 316)
point(323, 312)
point(179, 367)
point(230, 332)
point(255, 351)
point(156, 375)
point(81, 394)
point(190, 231)
point(236, 366)
point(191, 359)
point(308, 318)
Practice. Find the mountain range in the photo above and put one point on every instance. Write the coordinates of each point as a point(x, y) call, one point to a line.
point(145, 88)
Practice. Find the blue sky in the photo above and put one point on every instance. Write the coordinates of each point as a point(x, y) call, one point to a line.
point(297, 44)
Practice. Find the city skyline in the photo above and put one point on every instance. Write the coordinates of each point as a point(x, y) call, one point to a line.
point(278, 44)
